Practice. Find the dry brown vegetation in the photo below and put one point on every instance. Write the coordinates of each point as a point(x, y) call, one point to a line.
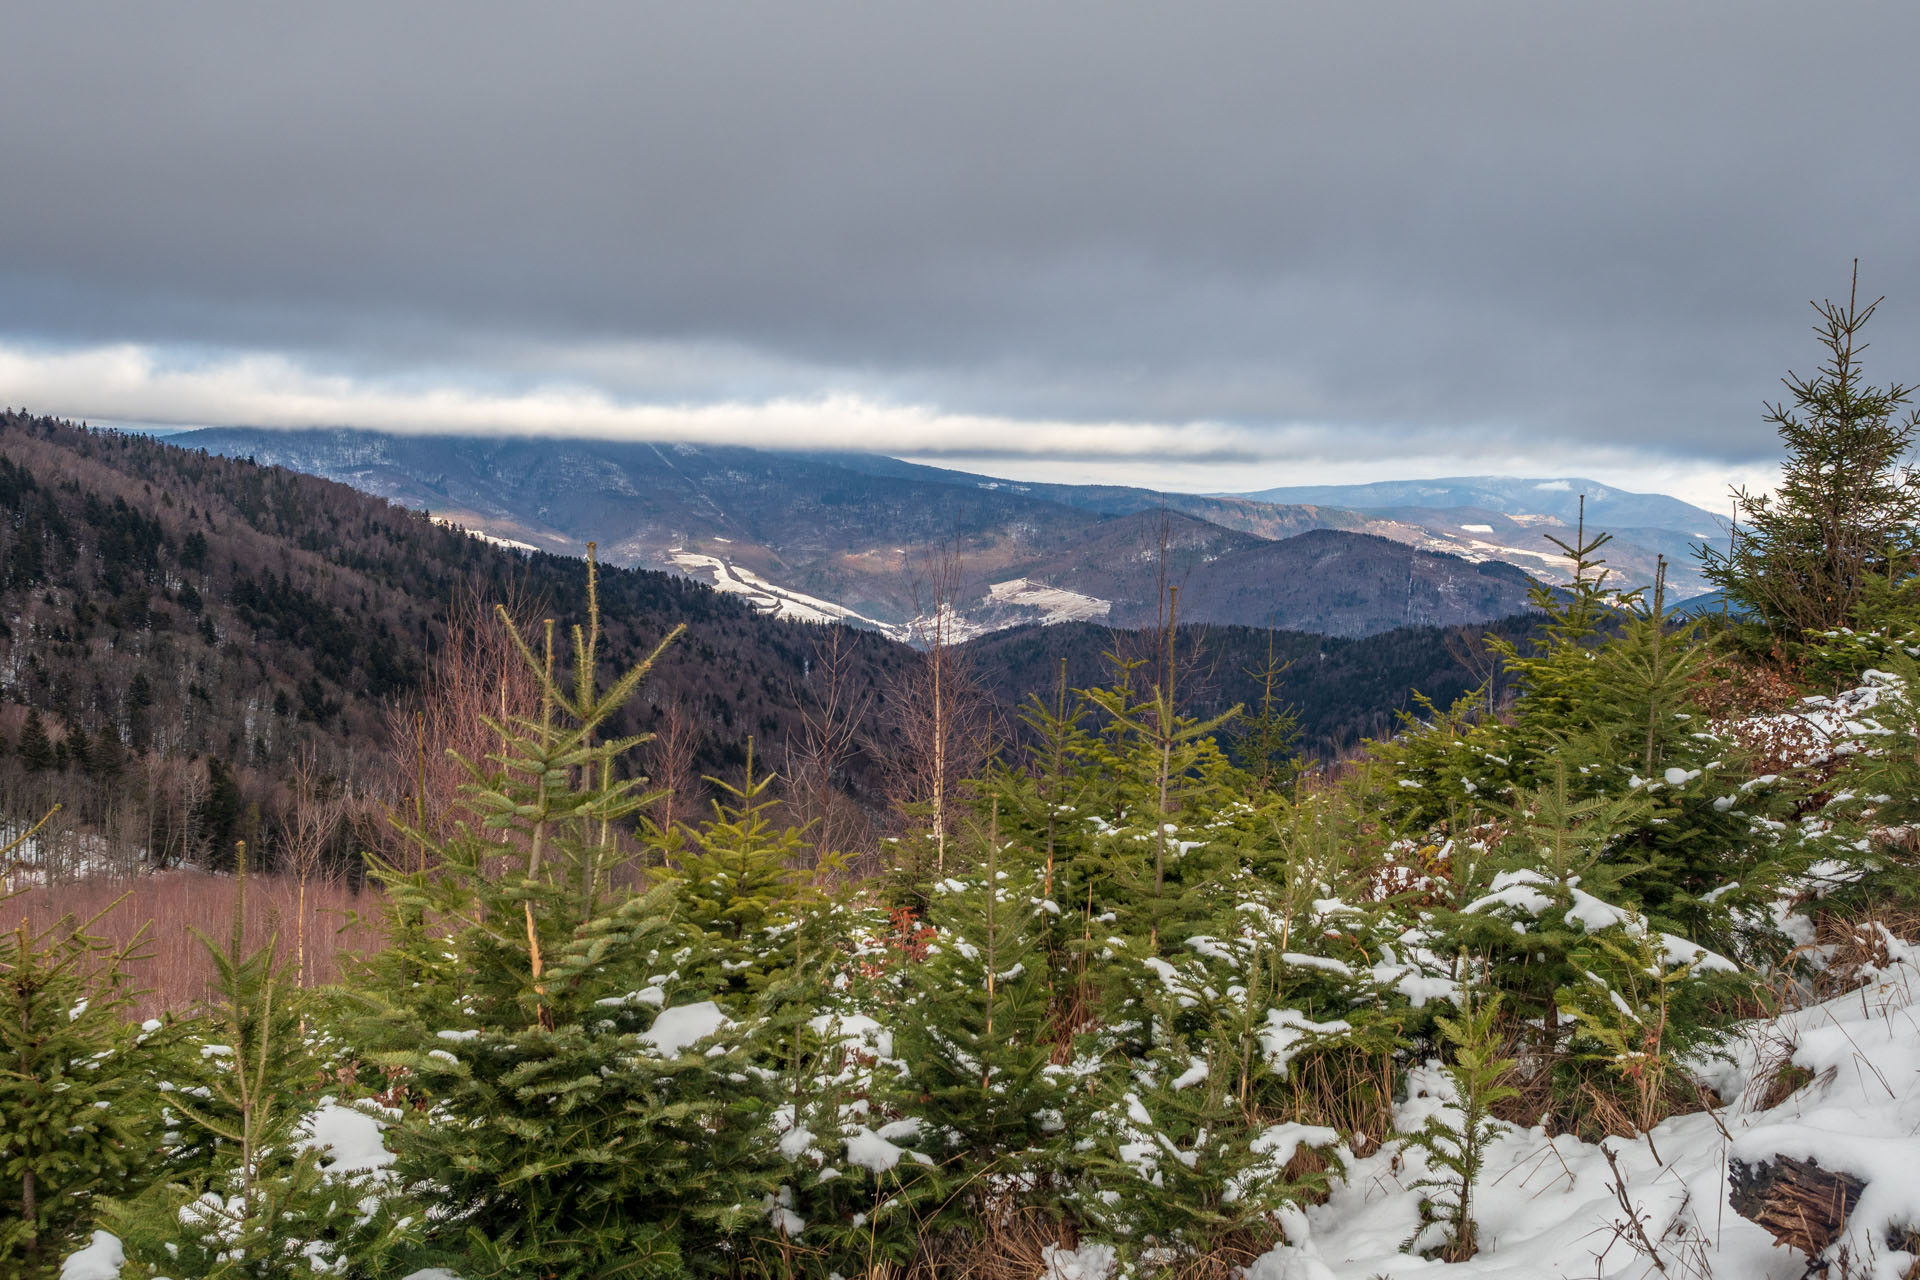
point(174, 971)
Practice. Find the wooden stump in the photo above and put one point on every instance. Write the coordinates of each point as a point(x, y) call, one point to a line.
point(1799, 1203)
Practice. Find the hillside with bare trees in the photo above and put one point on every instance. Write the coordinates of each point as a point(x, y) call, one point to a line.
point(182, 634)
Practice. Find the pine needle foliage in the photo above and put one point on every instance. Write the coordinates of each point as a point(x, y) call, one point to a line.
point(977, 1029)
point(1455, 1139)
point(1166, 774)
point(1638, 1017)
point(580, 1104)
point(1267, 735)
point(78, 1120)
point(739, 883)
point(1804, 558)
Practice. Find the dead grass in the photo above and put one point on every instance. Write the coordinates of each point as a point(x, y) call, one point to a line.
point(1351, 1093)
point(176, 972)
point(1006, 1246)
point(1744, 688)
point(1859, 945)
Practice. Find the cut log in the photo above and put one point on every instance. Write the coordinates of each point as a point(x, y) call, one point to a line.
point(1800, 1204)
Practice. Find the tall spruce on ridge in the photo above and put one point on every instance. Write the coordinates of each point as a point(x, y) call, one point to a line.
point(1841, 523)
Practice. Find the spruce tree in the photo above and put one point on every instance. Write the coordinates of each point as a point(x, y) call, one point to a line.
point(1266, 737)
point(1166, 772)
point(79, 1118)
point(1805, 558)
point(247, 1190)
point(1045, 802)
point(585, 1107)
point(36, 747)
point(1455, 1138)
point(978, 1033)
point(1194, 1132)
point(738, 887)
point(1535, 898)
point(1642, 1014)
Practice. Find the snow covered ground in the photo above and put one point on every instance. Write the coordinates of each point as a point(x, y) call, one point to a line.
point(1552, 1207)
point(511, 544)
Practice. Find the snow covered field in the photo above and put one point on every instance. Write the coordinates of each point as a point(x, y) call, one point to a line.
point(1008, 604)
point(1056, 604)
point(778, 601)
point(1552, 1207)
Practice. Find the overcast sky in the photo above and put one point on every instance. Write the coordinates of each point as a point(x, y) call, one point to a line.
point(1198, 245)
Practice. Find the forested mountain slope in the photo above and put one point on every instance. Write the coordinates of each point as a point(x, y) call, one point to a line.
point(177, 628)
point(161, 600)
point(1326, 581)
point(1343, 689)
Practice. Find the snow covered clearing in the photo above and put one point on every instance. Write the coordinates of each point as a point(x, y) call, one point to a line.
point(511, 544)
point(1551, 1207)
point(780, 602)
point(1055, 604)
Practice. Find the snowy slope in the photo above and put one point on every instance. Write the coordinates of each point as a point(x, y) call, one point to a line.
point(1552, 1207)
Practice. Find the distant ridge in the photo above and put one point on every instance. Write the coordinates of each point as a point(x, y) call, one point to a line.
point(1607, 506)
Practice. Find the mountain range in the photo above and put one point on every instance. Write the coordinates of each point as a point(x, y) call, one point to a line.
point(891, 544)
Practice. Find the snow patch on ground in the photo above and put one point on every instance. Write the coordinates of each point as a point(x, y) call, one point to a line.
point(1088, 1262)
point(1547, 1206)
point(511, 544)
point(100, 1260)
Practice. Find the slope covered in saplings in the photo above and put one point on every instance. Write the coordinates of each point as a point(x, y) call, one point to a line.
point(1130, 1008)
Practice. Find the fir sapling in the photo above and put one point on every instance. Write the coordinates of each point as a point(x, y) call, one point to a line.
point(1455, 1138)
point(79, 1116)
point(248, 1192)
point(586, 1103)
point(738, 884)
point(977, 1028)
point(1644, 1009)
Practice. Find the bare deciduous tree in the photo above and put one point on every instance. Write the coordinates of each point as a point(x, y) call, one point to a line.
point(942, 714)
point(477, 676)
point(832, 711)
point(672, 773)
point(315, 815)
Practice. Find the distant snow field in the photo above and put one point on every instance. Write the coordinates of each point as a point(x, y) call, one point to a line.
point(1056, 604)
point(780, 602)
point(511, 544)
point(1007, 604)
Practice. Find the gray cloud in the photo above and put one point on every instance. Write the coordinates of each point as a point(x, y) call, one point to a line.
point(1486, 225)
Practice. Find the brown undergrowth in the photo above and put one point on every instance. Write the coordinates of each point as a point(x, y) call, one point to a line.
point(174, 971)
